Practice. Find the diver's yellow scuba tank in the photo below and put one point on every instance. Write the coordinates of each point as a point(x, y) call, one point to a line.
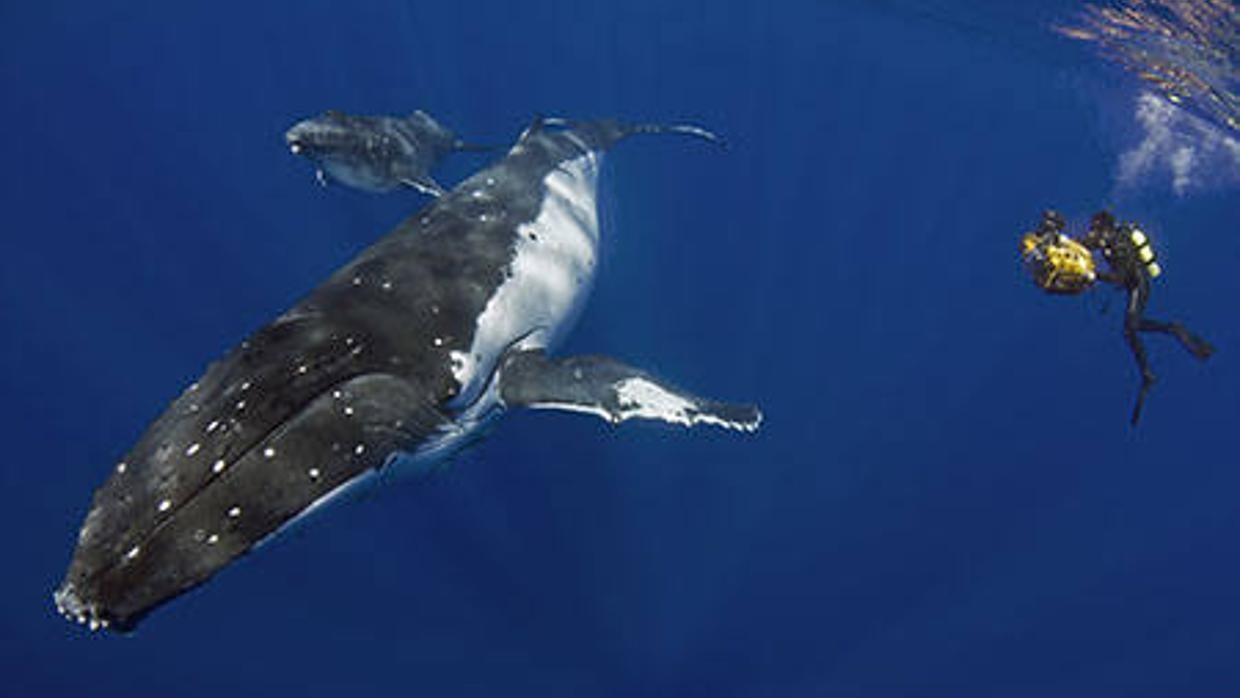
point(1057, 263)
point(1145, 252)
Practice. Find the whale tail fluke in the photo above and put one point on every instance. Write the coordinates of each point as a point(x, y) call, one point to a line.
point(683, 129)
point(601, 134)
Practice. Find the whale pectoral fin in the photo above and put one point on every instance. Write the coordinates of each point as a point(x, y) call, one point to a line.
point(605, 387)
point(426, 185)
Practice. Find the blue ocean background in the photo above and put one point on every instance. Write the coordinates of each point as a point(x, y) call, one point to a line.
point(946, 498)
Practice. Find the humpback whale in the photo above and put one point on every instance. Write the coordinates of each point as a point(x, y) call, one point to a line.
point(375, 153)
point(395, 362)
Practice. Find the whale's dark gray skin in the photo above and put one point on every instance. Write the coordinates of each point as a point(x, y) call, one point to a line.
point(397, 360)
point(375, 153)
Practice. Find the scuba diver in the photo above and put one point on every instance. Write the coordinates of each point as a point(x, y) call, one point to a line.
point(1063, 265)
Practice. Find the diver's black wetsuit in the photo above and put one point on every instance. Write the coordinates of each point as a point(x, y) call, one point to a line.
point(1126, 270)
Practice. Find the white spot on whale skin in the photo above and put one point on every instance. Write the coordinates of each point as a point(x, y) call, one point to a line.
point(462, 365)
point(549, 279)
point(122, 467)
point(193, 448)
point(269, 452)
point(219, 466)
point(234, 512)
point(165, 505)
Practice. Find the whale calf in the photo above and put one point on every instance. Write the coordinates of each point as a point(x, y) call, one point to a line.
point(395, 362)
point(375, 153)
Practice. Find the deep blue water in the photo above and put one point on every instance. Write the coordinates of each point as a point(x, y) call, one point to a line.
point(946, 497)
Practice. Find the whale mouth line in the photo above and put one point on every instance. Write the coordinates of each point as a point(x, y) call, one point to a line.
point(68, 598)
point(70, 603)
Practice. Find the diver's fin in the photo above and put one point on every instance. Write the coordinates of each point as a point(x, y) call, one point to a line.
point(1192, 343)
point(426, 185)
point(320, 176)
point(606, 388)
point(1145, 391)
point(1195, 345)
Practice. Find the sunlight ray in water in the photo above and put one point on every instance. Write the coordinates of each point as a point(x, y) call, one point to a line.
point(1188, 49)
